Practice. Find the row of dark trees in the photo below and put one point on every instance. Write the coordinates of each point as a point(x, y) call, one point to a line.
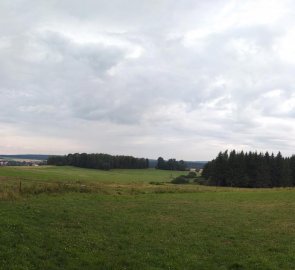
point(239, 169)
point(99, 161)
point(170, 164)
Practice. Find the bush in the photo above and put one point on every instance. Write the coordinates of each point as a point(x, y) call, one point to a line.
point(191, 175)
point(155, 183)
point(201, 181)
point(180, 180)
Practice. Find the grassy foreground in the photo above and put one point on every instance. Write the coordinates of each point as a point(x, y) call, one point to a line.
point(123, 222)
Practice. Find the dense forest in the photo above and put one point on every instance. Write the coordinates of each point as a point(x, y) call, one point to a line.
point(239, 169)
point(171, 164)
point(99, 161)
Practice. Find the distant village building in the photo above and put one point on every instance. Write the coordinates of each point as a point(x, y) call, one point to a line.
point(3, 163)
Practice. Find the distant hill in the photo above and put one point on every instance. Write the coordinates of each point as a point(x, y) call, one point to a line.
point(152, 163)
point(196, 164)
point(190, 164)
point(31, 157)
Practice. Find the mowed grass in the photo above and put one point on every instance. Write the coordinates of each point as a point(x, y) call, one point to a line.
point(72, 174)
point(190, 228)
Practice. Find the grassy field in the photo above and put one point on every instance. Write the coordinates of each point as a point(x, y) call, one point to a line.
point(72, 174)
point(69, 218)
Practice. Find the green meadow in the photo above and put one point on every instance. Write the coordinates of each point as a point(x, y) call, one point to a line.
point(72, 218)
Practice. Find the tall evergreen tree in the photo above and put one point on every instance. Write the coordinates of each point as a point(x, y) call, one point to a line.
point(250, 170)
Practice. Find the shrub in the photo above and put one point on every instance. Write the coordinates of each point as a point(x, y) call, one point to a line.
point(201, 181)
point(156, 183)
point(180, 180)
point(191, 175)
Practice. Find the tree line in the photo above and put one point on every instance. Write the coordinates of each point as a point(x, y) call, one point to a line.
point(250, 169)
point(171, 164)
point(99, 161)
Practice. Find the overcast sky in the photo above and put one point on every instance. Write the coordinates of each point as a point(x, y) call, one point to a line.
point(149, 78)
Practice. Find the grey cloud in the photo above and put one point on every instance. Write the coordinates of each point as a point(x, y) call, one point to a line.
point(146, 77)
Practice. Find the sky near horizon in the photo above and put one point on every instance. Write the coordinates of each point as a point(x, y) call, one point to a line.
point(148, 78)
